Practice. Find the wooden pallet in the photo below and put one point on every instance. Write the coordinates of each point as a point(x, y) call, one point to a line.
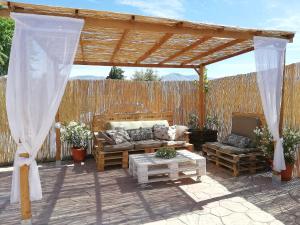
point(147, 168)
point(104, 159)
point(237, 164)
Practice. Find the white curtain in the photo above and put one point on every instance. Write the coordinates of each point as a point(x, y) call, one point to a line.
point(270, 60)
point(42, 54)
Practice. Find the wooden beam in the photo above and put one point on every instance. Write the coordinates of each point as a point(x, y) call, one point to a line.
point(24, 190)
point(212, 30)
point(81, 48)
point(201, 73)
point(119, 44)
point(188, 48)
point(156, 46)
point(133, 64)
point(216, 49)
point(229, 56)
point(58, 142)
point(282, 100)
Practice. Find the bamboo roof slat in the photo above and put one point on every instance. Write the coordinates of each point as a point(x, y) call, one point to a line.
point(140, 41)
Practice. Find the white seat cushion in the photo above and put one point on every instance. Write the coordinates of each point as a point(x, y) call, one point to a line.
point(129, 125)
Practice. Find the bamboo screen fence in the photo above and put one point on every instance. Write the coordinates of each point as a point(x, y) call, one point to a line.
point(240, 94)
point(83, 99)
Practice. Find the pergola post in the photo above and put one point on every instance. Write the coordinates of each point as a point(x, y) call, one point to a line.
point(276, 174)
point(282, 100)
point(24, 192)
point(58, 143)
point(201, 73)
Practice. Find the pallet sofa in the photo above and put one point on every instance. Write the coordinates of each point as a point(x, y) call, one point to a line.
point(235, 159)
point(107, 154)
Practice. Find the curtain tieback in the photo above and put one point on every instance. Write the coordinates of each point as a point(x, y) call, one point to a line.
point(19, 159)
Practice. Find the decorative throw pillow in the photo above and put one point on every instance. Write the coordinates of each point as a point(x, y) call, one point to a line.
point(237, 141)
point(161, 132)
point(172, 133)
point(180, 129)
point(140, 134)
point(104, 136)
point(119, 135)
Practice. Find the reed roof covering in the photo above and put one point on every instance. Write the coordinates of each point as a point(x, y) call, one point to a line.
point(110, 39)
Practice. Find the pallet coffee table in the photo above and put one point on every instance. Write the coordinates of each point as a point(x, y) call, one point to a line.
point(148, 168)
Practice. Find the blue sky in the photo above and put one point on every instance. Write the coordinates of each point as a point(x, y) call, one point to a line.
point(268, 14)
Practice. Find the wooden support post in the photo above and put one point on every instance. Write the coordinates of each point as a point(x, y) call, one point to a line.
point(58, 143)
point(277, 173)
point(282, 100)
point(202, 95)
point(24, 191)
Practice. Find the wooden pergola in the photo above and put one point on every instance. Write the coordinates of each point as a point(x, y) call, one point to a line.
point(115, 39)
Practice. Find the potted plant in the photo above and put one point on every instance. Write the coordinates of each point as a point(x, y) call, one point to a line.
point(264, 142)
point(77, 135)
point(200, 135)
point(211, 128)
point(291, 139)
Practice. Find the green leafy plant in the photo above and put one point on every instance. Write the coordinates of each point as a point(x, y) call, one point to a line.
point(148, 75)
point(291, 139)
point(166, 153)
point(211, 123)
point(193, 121)
point(76, 134)
point(264, 141)
point(116, 73)
point(6, 34)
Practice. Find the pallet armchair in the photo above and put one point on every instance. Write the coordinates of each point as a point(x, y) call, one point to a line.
point(238, 160)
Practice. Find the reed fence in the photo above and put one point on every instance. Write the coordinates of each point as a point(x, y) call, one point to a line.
point(83, 99)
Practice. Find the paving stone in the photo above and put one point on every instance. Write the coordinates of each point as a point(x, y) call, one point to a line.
point(220, 211)
point(236, 219)
point(260, 216)
point(233, 206)
point(81, 195)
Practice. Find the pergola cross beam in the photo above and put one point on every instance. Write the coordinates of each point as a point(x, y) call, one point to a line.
point(156, 46)
point(186, 49)
point(212, 51)
point(119, 44)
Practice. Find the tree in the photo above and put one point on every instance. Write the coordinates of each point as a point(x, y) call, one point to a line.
point(116, 73)
point(6, 34)
point(148, 75)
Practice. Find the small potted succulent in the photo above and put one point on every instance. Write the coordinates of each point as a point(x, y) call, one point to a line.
point(291, 139)
point(199, 135)
point(77, 135)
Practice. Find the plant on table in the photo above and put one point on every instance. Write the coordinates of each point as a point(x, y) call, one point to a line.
point(77, 135)
point(166, 153)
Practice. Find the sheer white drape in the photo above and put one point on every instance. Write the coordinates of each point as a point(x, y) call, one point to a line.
point(269, 59)
point(42, 54)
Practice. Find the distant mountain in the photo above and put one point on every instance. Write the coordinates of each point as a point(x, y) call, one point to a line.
point(178, 76)
point(87, 77)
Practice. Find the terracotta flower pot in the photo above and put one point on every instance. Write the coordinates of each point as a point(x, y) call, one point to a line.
point(78, 154)
point(286, 175)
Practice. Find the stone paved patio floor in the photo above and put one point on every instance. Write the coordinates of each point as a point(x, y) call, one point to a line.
point(80, 195)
